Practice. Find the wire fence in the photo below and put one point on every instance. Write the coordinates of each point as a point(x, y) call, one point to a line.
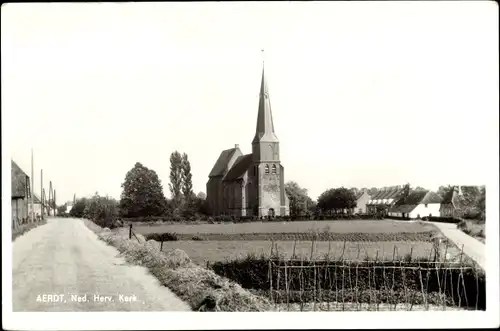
point(300, 285)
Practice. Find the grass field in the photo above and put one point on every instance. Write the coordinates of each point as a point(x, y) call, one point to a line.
point(364, 239)
point(202, 251)
point(359, 226)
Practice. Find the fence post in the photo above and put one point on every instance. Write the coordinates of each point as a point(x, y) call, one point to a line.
point(130, 232)
point(161, 246)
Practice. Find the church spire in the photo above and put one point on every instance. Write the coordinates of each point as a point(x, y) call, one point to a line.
point(265, 127)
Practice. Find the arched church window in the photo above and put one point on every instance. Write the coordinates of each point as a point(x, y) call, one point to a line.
point(274, 169)
point(267, 168)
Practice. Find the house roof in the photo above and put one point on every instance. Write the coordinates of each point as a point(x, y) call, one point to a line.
point(222, 162)
point(18, 178)
point(431, 197)
point(359, 195)
point(388, 194)
point(415, 198)
point(239, 168)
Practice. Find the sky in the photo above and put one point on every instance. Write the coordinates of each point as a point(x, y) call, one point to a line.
point(363, 94)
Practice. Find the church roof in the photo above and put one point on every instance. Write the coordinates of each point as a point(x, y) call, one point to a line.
point(265, 127)
point(222, 162)
point(239, 168)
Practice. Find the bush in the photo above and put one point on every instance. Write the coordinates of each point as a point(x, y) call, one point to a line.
point(166, 236)
point(102, 210)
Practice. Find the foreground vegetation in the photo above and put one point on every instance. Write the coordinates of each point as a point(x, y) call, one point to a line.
point(403, 280)
point(203, 289)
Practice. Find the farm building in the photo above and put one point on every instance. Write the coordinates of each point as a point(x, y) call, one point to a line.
point(362, 199)
point(381, 202)
point(454, 204)
point(251, 184)
point(38, 205)
point(417, 204)
point(20, 194)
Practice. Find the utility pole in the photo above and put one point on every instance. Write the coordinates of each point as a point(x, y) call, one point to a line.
point(50, 198)
point(32, 189)
point(55, 206)
point(44, 204)
point(41, 193)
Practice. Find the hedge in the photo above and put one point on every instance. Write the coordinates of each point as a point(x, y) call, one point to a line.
point(253, 273)
point(247, 219)
point(441, 219)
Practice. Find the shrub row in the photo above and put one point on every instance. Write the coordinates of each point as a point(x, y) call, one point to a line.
point(441, 219)
point(425, 236)
point(203, 289)
point(467, 286)
point(320, 217)
point(247, 219)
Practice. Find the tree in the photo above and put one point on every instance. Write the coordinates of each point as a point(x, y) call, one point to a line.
point(61, 210)
point(481, 202)
point(187, 182)
point(142, 193)
point(470, 201)
point(444, 190)
point(175, 185)
point(78, 208)
point(373, 191)
point(338, 200)
point(355, 191)
point(298, 198)
point(201, 196)
point(102, 210)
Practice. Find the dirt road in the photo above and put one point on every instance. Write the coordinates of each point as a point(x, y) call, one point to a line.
point(473, 248)
point(63, 266)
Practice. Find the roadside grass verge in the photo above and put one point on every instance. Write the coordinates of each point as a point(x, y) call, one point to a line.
point(25, 228)
point(201, 288)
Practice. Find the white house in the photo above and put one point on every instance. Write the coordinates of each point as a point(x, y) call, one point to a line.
point(362, 199)
point(383, 201)
point(417, 204)
point(68, 208)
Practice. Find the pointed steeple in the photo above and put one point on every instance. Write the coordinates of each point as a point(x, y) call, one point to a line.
point(265, 127)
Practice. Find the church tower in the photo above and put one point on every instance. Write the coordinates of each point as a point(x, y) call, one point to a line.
point(268, 173)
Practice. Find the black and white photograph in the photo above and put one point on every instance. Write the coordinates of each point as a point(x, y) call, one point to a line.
point(324, 165)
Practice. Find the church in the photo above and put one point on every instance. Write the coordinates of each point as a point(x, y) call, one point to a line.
point(251, 184)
